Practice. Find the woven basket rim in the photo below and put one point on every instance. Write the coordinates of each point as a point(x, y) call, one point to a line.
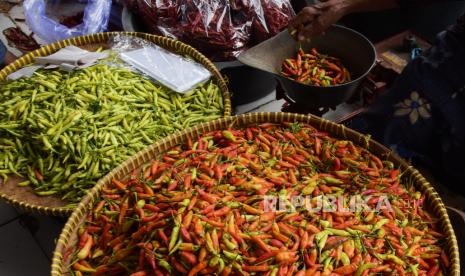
point(336, 130)
point(29, 58)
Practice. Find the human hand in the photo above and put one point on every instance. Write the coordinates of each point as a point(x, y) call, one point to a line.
point(314, 20)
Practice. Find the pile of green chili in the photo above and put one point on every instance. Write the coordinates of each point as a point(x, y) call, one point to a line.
point(63, 131)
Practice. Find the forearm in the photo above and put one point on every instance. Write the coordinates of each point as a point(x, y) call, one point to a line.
point(378, 5)
point(370, 5)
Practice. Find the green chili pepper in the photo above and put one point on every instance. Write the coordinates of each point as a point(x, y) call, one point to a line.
point(214, 261)
point(380, 224)
point(344, 258)
point(220, 265)
point(364, 267)
point(228, 135)
point(338, 232)
point(232, 256)
point(165, 265)
point(414, 269)
point(74, 118)
point(174, 237)
point(176, 247)
point(395, 259)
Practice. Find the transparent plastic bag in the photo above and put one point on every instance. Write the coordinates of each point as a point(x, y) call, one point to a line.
point(159, 16)
point(270, 18)
point(210, 27)
point(173, 71)
point(220, 29)
point(94, 19)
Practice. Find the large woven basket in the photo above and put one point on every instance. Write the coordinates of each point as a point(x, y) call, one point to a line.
point(68, 237)
point(23, 197)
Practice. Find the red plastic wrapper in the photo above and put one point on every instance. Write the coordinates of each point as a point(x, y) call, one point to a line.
point(159, 16)
point(271, 17)
point(210, 27)
point(220, 29)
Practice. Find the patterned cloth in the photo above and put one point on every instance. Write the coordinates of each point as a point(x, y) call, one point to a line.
point(422, 117)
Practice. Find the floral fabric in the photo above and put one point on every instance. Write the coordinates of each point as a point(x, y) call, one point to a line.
point(422, 117)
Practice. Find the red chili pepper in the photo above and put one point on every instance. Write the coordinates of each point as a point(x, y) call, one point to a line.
point(255, 268)
point(221, 212)
point(197, 268)
point(150, 260)
point(213, 223)
point(276, 243)
point(347, 269)
point(117, 240)
point(218, 172)
point(85, 250)
point(141, 260)
point(118, 184)
point(346, 224)
point(445, 259)
point(83, 239)
point(93, 229)
point(163, 236)
point(189, 257)
point(178, 266)
point(261, 244)
point(112, 196)
point(205, 196)
point(123, 210)
point(38, 175)
point(185, 235)
point(208, 210)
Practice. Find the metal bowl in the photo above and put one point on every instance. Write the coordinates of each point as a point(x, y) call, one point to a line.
point(356, 52)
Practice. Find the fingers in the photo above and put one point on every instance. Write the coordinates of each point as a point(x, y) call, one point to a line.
point(314, 20)
point(330, 14)
point(304, 17)
point(324, 4)
point(314, 29)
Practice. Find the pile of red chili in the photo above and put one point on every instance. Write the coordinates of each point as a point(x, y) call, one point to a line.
point(199, 209)
point(315, 69)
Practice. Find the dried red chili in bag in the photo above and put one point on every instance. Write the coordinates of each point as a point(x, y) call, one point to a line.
point(73, 20)
point(271, 17)
point(221, 29)
point(208, 26)
point(159, 16)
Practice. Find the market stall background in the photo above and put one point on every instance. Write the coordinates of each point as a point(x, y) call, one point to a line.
point(28, 240)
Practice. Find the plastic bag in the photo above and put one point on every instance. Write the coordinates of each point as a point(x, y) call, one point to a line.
point(173, 71)
point(209, 26)
point(220, 29)
point(270, 18)
point(95, 19)
point(159, 16)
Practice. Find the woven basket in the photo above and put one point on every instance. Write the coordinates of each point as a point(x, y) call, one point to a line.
point(23, 197)
point(68, 237)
